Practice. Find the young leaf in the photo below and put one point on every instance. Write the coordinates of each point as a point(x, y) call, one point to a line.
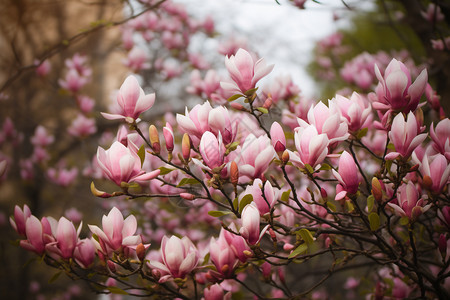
point(186, 181)
point(374, 221)
point(285, 196)
point(234, 97)
point(370, 202)
point(141, 154)
point(218, 213)
point(165, 170)
point(299, 250)
point(247, 199)
point(306, 236)
point(263, 110)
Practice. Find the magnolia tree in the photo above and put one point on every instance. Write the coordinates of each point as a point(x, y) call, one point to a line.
point(243, 194)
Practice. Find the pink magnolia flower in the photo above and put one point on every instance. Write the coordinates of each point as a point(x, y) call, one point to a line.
point(42, 68)
point(73, 81)
point(396, 92)
point(20, 219)
point(356, 111)
point(438, 170)
point(405, 136)
point(41, 137)
point(222, 256)
point(254, 156)
point(63, 177)
point(82, 126)
point(278, 137)
point(77, 63)
point(327, 120)
point(178, 258)
point(117, 233)
point(312, 147)
point(168, 136)
point(215, 292)
point(409, 205)
point(212, 150)
point(347, 176)
point(66, 239)
point(34, 231)
point(244, 71)
point(250, 229)
point(441, 137)
point(282, 88)
point(237, 243)
point(85, 103)
point(121, 164)
point(433, 13)
point(137, 59)
point(132, 101)
point(264, 195)
point(84, 253)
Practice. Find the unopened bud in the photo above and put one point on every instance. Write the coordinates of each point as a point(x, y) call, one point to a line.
point(237, 106)
point(273, 236)
point(140, 251)
point(154, 139)
point(247, 253)
point(225, 269)
point(268, 103)
point(376, 189)
point(168, 137)
point(419, 116)
point(234, 173)
point(323, 193)
point(442, 244)
point(285, 156)
point(414, 168)
point(186, 147)
point(156, 274)
point(111, 266)
point(288, 247)
point(187, 196)
point(427, 182)
point(98, 193)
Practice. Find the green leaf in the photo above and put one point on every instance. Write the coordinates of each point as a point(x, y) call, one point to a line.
point(206, 258)
point(218, 213)
point(374, 221)
point(404, 221)
point(309, 168)
point(306, 236)
point(325, 167)
point(165, 170)
point(361, 133)
point(234, 97)
point(247, 199)
point(350, 206)
point(116, 290)
point(141, 154)
point(331, 206)
point(250, 92)
point(285, 196)
point(370, 202)
point(232, 147)
point(236, 203)
point(263, 110)
point(299, 250)
point(186, 181)
point(54, 277)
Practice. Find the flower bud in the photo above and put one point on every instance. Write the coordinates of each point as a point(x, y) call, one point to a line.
point(323, 193)
point(154, 139)
point(268, 103)
point(442, 244)
point(285, 157)
point(168, 136)
point(140, 251)
point(186, 147)
point(278, 138)
point(288, 247)
point(187, 196)
point(98, 193)
point(237, 106)
point(376, 189)
point(247, 253)
point(234, 173)
point(427, 182)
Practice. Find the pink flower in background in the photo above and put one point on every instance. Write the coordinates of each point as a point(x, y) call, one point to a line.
point(41, 137)
point(132, 101)
point(396, 92)
point(433, 13)
point(62, 176)
point(121, 164)
point(282, 88)
point(347, 176)
point(20, 219)
point(117, 233)
point(137, 60)
point(437, 169)
point(73, 81)
point(215, 292)
point(82, 126)
point(312, 147)
point(254, 156)
point(250, 229)
point(85, 103)
point(77, 63)
point(244, 71)
point(409, 205)
point(405, 136)
point(178, 258)
point(43, 68)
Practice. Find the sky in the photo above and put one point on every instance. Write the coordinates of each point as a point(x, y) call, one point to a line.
point(284, 35)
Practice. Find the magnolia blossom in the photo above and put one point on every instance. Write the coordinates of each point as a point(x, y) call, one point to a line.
point(244, 71)
point(356, 111)
point(132, 101)
point(117, 233)
point(121, 164)
point(237, 243)
point(35, 231)
point(73, 81)
point(222, 256)
point(84, 253)
point(405, 136)
point(264, 195)
point(441, 137)
point(396, 92)
point(409, 205)
point(178, 258)
point(82, 126)
point(137, 59)
point(41, 137)
point(215, 292)
point(347, 176)
point(20, 218)
point(250, 229)
point(66, 239)
point(212, 151)
point(327, 120)
point(255, 155)
point(312, 147)
point(437, 169)
point(278, 137)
